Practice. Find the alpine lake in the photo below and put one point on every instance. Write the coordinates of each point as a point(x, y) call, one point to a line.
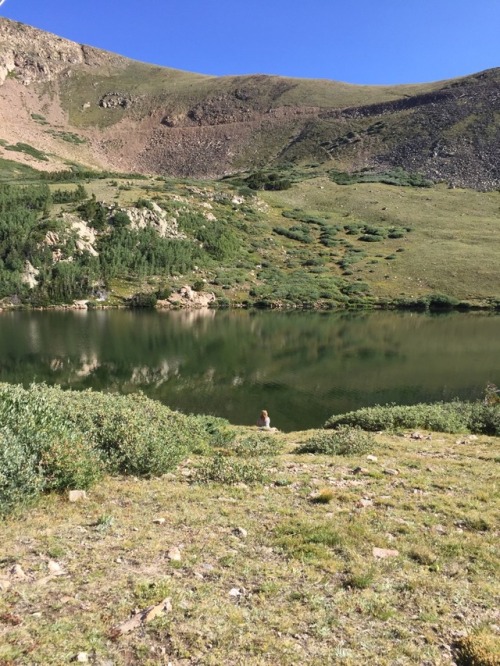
point(300, 366)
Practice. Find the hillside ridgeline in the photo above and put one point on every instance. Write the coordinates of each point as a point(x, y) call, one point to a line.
point(81, 104)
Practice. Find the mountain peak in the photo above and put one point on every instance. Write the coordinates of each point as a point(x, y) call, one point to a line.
point(74, 102)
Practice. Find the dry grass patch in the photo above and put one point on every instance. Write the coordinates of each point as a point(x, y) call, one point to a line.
point(264, 575)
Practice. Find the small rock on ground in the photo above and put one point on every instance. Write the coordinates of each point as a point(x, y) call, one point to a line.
point(174, 554)
point(77, 495)
point(382, 553)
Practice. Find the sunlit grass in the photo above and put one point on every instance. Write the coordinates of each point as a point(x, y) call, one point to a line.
point(301, 569)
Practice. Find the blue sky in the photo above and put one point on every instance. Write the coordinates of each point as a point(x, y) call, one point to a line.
point(357, 41)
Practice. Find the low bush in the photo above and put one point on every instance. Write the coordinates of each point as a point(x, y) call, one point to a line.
point(453, 417)
point(369, 238)
point(257, 445)
point(229, 470)
point(442, 302)
point(218, 434)
point(267, 181)
point(324, 496)
point(163, 293)
point(41, 450)
point(143, 300)
point(198, 285)
point(396, 233)
point(481, 648)
point(301, 234)
point(301, 216)
point(395, 176)
point(69, 460)
point(418, 304)
point(484, 418)
point(52, 439)
point(20, 476)
point(344, 441)
point(20, 147)
point(134, 434)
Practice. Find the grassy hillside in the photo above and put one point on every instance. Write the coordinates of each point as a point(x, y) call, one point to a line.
point(450, 249)
point(317, 243)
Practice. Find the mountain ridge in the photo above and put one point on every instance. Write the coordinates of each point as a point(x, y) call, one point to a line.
point(77, 103)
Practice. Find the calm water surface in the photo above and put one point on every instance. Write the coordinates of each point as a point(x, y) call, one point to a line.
point(301, 367)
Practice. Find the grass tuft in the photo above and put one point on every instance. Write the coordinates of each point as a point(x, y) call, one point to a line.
point(324, 496)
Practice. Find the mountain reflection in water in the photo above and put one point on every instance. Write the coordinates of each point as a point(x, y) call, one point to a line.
point(301, 367)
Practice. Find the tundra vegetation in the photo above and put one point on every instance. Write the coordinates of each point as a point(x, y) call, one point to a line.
point(320, 546)
point(372, 241)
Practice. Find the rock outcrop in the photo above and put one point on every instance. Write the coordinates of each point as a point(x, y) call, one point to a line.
point(187, 297)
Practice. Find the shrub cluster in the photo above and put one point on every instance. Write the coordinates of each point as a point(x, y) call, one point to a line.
point(344, 441)
point(257, 445)
point(229, 470)
point(457, 416)
point(298, 233)
point(52, 439)
point(395, 176)
point(267, 181)
point(296, 287)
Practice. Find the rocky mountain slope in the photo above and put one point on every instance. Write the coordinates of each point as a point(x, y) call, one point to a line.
point(63, 102)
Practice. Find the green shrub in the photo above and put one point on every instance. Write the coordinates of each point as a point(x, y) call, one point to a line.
point(120, 219)
point(345, 440)
point(454, 417)
point(301, 234)
point(134, 434)
point(245, 191)
point(53, 439)
point(68, 460)
point(42, 450)
point(418, 304)
point(442, 302)
point(144, 203)
point(163, 293)
point(198, 285)
point(222, 303)
point(217, 431)
point(484, 418)
point(20, 476)
point(20, 147)
point(267, 181)
point(374, 231)
point(143, 300)
point(368, 238)
point(69, 196)
point(301, 216)
point(257, 445)
point(395, 176)
point(229, 470)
